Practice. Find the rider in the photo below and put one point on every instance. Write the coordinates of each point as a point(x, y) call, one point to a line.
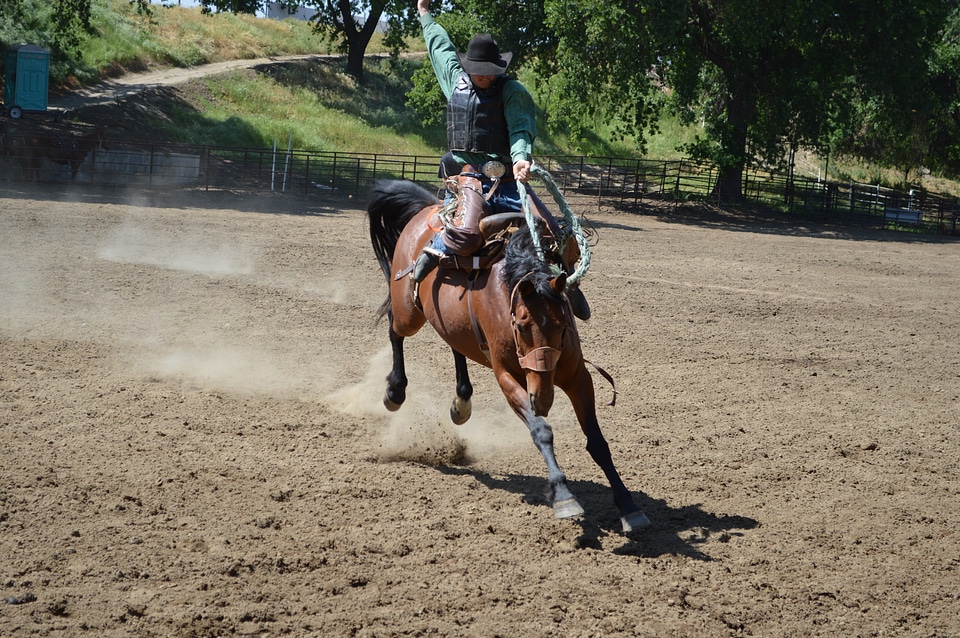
point(504, 122)
point(490, 116)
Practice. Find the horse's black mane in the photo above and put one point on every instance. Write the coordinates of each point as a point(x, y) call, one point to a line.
point(520, 259)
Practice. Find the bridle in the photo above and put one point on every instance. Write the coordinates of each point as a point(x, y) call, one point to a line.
point(542, 359)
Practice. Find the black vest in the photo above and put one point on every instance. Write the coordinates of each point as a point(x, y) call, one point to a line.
point(475, 119)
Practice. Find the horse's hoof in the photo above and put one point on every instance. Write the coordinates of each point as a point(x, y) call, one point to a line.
point(634, 520)
point(390, 405)
point(460, 411)
point(567, 508)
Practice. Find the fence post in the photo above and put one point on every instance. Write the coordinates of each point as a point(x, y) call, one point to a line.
point(636, 185)
point(356, 182)
point(306, 176)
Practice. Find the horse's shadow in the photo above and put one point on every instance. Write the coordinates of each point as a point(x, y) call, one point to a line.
point(674, 530)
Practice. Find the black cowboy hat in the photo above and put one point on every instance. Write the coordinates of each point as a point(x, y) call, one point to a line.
point(483, 56)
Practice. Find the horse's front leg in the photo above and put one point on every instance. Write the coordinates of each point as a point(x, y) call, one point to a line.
point(396, 392)
point(462, 408)
point(564, 503)
point(581, 394)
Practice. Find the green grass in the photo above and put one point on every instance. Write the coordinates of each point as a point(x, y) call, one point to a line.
point(321, 106)
point(177, 36)
point(316, 102)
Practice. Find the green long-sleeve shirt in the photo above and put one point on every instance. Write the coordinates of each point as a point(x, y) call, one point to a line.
point(518, 107)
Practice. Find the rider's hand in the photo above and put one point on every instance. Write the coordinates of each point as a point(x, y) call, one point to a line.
point(423, 6)
point(521, 168)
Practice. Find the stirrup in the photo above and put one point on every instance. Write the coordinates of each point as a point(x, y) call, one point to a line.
point(426, 262)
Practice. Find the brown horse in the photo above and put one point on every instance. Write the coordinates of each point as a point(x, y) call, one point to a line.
point(31, 150)
point(512, 317)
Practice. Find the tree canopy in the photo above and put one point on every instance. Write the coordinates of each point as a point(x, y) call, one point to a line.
point(873, 79)
point(761, 76)
point(57, 26)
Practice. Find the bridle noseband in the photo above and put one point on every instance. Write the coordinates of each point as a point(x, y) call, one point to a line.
point(543, 359)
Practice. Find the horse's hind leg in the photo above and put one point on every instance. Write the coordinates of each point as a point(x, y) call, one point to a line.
point(584, 404)
point(396, 392)
point(461, 409)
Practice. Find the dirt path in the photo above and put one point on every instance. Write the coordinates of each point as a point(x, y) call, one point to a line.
point(135, 83)
point(192, 441)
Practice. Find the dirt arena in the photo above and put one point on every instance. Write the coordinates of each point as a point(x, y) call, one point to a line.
point(192, 441)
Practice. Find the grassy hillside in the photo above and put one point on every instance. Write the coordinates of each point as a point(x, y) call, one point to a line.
point(321, 106)
point(174, 36)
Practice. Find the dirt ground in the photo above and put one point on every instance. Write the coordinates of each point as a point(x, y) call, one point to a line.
point(192, 441)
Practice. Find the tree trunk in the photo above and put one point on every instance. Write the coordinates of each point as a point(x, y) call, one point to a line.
point(729, 186)
point(355, 55)
point(358, 39)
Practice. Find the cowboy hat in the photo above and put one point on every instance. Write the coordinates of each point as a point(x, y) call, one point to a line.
point(483, 56)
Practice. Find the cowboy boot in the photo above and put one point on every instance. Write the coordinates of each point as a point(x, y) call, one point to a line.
point(578, 303)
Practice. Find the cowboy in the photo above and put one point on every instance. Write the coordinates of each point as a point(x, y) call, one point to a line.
point(490, 117)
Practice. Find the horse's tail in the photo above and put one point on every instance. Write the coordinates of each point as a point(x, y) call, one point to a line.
point(392, 204)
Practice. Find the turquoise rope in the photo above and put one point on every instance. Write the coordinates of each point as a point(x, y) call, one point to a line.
point(572, 229)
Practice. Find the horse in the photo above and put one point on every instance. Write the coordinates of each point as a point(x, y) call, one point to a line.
point(64, 150)
point(512, 317)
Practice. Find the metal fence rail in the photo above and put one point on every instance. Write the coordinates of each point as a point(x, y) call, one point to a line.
point(626, 184)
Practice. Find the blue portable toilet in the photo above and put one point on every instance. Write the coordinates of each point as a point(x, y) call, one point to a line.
point(27, 79)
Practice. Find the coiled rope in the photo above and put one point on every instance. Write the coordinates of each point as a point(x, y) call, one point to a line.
point(571, 227)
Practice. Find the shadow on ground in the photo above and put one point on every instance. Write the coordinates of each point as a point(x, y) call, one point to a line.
point(673, 530)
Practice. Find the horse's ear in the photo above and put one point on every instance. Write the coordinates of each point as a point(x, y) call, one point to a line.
point(526, 288)
point(559, 283)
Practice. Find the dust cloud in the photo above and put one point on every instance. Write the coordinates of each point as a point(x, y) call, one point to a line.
point(139, 241)
point(421, 430)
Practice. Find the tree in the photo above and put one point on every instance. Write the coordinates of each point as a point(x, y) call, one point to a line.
point(348, 23)
point(945, 79)
point(58, 26)
point(352, 23)
point(762, 76)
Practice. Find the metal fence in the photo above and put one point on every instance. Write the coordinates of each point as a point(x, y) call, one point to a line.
point(587, 182)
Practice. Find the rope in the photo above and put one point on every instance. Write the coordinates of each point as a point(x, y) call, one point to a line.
point(572, 228)
point(531, 221)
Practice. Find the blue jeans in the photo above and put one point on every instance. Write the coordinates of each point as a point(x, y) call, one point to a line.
point(505, 200)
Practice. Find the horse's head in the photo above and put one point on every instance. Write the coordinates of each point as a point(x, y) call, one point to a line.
point(539, 319)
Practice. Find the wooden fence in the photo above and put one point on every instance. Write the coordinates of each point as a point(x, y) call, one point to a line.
point(587, 182)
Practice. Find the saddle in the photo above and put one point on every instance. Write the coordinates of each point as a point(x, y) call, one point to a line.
point(495, 230)
point(479, 249)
